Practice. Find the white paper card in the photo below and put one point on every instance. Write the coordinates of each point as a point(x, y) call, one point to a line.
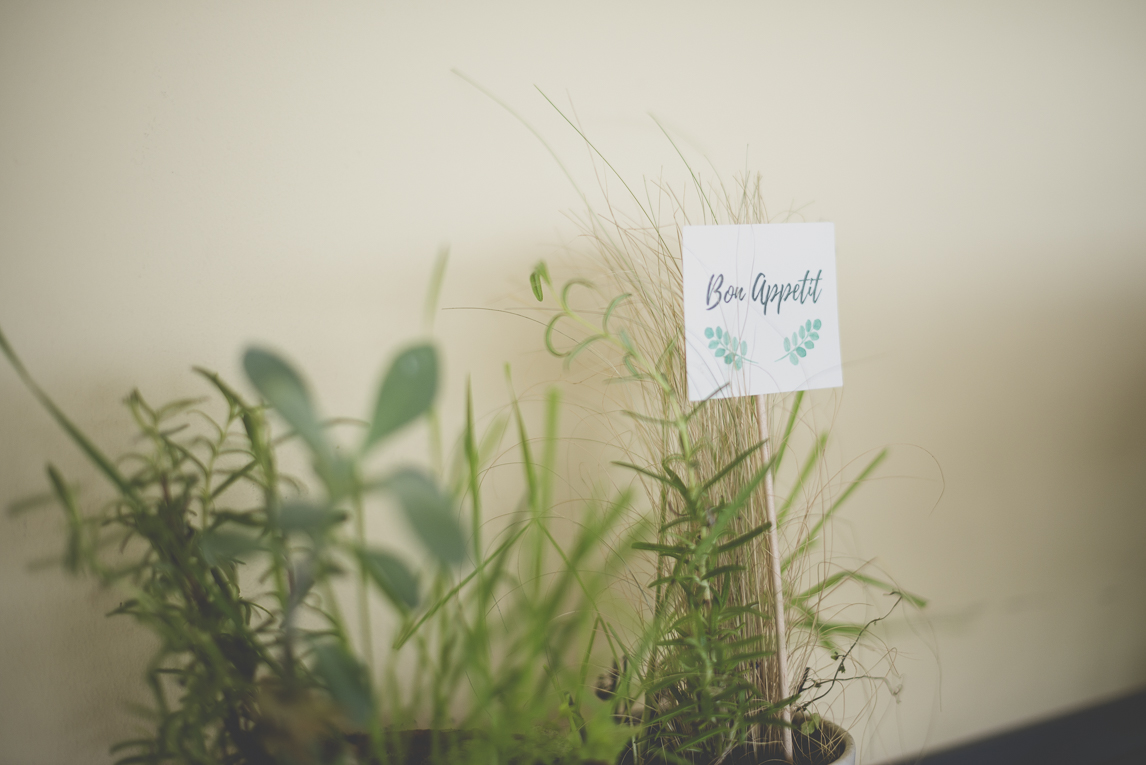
point(760, 309)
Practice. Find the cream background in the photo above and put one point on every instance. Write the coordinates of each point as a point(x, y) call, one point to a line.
point(178, 179)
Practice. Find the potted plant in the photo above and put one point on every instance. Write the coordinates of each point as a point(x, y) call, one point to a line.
point(234, 565)
point(236, 569)
point(711, 689)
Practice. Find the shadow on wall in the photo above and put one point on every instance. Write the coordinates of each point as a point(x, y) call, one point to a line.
point(1032, 403)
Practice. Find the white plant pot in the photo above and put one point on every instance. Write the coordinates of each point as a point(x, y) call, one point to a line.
point(832, 732)
point(848, 756)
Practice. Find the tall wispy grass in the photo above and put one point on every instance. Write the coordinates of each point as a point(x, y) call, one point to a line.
point(625, 311)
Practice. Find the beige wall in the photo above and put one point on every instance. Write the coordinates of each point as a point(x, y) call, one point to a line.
point(178, 179)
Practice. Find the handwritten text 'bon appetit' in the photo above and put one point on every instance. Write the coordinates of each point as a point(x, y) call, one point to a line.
point(763, 292)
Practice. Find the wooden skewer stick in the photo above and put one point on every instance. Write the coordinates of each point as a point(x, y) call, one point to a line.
point(773, 541)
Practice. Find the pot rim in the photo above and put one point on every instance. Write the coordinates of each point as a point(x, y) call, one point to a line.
point(834, 730)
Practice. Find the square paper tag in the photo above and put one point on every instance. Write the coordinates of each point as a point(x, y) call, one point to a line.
point(760, 310)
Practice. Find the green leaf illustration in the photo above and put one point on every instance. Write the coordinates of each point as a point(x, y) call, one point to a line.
point(727, 346)
point(802, 341)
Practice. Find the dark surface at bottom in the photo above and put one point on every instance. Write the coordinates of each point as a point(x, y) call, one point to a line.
point(1113, 733)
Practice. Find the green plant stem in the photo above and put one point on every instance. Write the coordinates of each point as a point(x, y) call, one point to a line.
point(676, 414)
point(334, 615)
point(406, 634)
point(364, 627)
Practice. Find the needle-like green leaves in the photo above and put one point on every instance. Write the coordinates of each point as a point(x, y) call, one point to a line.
point(201, 492)
point(82, 441)
point(67, 499)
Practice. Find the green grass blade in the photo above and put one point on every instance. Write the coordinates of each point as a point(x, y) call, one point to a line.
point(814, 532)
point(434, 289)
point(727, 513)
point(743, 538)
point(409, 631)
point(523, 437)
point(739, 458)
point(636, 199)
point(809, 466)
point(648, 473)
point(695, 180)
point(854, 575)
point(74, 549)
point(783, 448)
point(85, 444)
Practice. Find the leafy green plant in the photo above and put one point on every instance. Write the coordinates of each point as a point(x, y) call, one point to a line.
point(696, 697)
point(236, 569)
point(702, 687)
point(691, 455)
point(710, 686)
